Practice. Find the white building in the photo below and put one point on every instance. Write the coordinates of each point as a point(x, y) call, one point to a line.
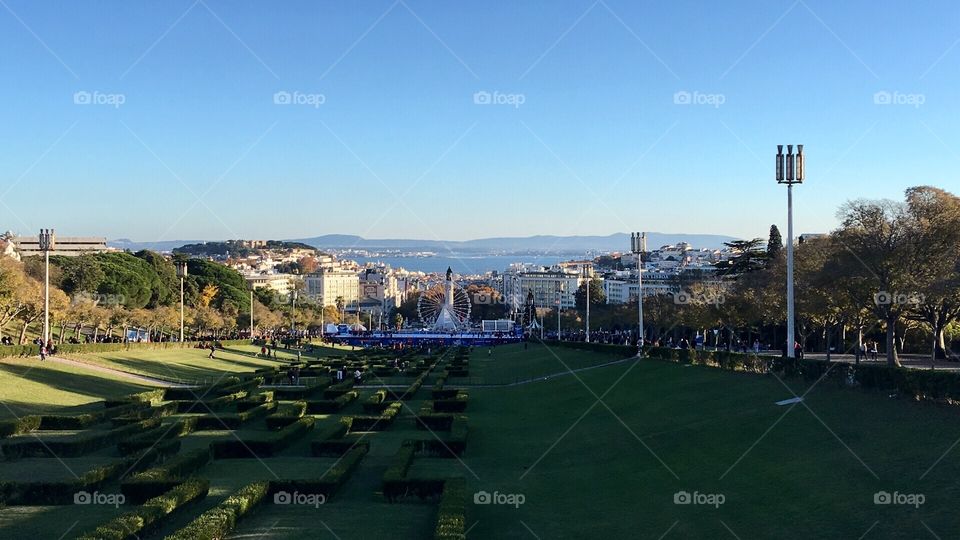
point(328, 284)
point(547, 286)
point(282, 284)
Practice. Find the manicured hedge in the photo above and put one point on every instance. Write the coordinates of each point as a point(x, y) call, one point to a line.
point(376, 402)
point(331, 480)
point(85, 420)
point(156, 481)
point(147, 517)
point(458, 403)
point(264, 447)
point(77, 445)
point(376, 423)
point(394, 479)
point(336, 447)
point(452, 513)
point(17, 426)
point(146, 440)
point(233, 421)
point(160, 411)
point(149, 396)
point(62, 492)
point(327, 406)
point(219, 521)
point(339, 389)
point(331, 431)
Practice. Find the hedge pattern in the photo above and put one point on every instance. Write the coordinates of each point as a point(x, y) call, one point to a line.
point(217, 522)
point(452, 514)
point(134, 524)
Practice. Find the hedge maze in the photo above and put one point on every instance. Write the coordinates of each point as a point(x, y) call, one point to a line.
point(186, 463)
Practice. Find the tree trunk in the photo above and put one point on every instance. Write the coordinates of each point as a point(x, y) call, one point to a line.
point(63, 331)
point(23, 333)
point(892, 359)
point(78, 327)
point(826, 331)
point(96, 333)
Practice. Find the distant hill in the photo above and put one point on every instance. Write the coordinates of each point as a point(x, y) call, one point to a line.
point(537, 244)
point(542, 243)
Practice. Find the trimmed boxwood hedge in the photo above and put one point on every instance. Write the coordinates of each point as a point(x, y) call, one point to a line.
point(149, 396)
point(220, 520)
point(394, 479)
point(156, 481)
point(452, 513)
point(457, 403)
point(331, 480)
point(263, 447)
point(85, 420)
point(376, 423)
point(148, 516)
point(76, 445)
point(160, 411)
point(17, 426)
point(327, 406)
point(336, 447)
point(146, 440)
point(62, 492)
point(339, 389)
point(233, 420)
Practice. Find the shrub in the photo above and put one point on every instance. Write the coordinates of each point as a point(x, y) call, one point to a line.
point(394, 484)
point(155, 481)
point(266, 446)
point(452, 512)
point(81, 421)
point(331, 480)
point(150, 396)
point(336, 447)
point(233, 421)
point(148, 439)
point(159, 411)
point(457, 404)
point(77, 445)
point(338, 389)
point(326, 406)
point(220, 520)
point(376, 423)
point(133, 524)
point(20, 425)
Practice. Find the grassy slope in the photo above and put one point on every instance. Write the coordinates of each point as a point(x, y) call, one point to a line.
point(799, 481)
point(29, 386)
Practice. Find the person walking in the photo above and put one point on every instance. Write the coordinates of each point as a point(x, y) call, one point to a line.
point(213, 349)
point(43, 353)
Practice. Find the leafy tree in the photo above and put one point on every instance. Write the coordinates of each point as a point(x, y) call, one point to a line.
point(774, 243)
point(597, 296)
point(749, 257)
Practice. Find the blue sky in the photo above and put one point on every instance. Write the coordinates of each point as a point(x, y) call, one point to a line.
point(588, 138)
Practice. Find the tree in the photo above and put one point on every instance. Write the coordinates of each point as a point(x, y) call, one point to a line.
point(597, 296)
point(749, 257)
point(12, 284)
point(207, 294)
point(398, 321)
point(774, 243)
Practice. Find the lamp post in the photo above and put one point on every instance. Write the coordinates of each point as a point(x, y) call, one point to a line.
point(790, 171)
point(587, 339)
point(638, 245)
point(560, 289)
point(47, 240)
point(251, 314)
point(181, 273)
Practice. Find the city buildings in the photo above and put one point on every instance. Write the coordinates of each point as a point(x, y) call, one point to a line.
point(327, 284)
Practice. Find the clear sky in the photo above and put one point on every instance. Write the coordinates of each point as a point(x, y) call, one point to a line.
point(457, 120)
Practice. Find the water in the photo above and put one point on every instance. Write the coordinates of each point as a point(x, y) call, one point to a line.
point(463, 263)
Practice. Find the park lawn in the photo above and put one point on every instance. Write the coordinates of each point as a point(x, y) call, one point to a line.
point(520, 362)
point(179, 364)
point(28, 386)
point(585, 475)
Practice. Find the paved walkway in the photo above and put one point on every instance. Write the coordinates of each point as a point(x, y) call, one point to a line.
point(116, 372)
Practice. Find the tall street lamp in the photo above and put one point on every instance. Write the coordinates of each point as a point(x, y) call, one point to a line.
point(560, 288)
point(790, 171)
point(181, 273)
point(638, 245)
point(47, 240)
point(589, 279)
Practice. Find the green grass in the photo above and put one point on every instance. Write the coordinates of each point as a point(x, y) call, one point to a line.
point(179, 364)
point(587, 471)
point(28, 386)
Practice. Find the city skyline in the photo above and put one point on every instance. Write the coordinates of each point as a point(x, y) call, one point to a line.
point(419, 120)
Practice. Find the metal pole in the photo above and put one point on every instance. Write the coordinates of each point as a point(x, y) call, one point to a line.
point(790, 323)
point(640, 304)
point(251, 314)
point(46, 298)
point(588, 311)
point(181, 309)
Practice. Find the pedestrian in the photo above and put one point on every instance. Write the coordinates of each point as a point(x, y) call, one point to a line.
point(873, 350)
point(43, 353)
point(212, 350)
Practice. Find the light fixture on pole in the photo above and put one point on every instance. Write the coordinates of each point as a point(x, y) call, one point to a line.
point(560, 288)
point(790, 171)
point(181, 273)
point(638, 245)
point(47, 241)
point(251, 314)
point(587, 337)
